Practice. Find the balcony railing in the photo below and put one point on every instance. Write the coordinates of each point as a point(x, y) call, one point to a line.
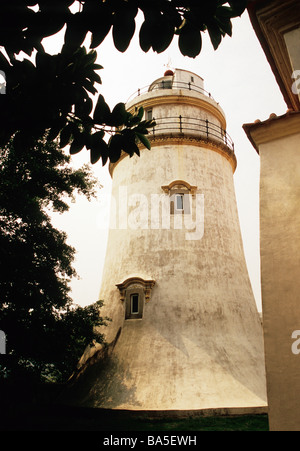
point(199, 128)
point(169, 84)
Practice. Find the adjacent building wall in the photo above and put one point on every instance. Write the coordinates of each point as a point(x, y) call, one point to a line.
point(278, 143)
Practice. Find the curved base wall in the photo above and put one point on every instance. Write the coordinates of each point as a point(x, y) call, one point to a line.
point(199, 342)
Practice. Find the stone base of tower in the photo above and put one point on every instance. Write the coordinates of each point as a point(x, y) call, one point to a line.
point(173, 375)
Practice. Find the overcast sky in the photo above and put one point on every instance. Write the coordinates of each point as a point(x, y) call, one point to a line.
point(239, 78)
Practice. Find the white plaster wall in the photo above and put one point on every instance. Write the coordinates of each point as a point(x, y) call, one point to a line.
point(188, 111)
point(186, 77)
point(280, 262)
point(183, 97)
point(193, 121)
point(161, 253)
point(199, 344)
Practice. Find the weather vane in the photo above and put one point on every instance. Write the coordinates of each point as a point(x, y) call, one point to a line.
point(169, 63)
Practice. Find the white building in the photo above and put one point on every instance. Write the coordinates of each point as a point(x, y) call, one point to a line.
point(185, 333)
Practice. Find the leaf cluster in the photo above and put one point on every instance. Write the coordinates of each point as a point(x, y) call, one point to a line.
point(57, 96)
point(187, 19)
point(57, 93)
point(54, 96)
point(36, 264)
point(22, 28)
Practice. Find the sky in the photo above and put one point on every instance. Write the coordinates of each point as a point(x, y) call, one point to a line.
point(238, 77)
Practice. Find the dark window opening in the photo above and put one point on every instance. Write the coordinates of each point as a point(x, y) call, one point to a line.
point(134, 306)
point(149, 115)
point(134, 302)
point(165, 84)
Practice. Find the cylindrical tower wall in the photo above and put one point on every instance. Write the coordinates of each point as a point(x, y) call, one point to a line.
point(175, 244)
point(200, 259)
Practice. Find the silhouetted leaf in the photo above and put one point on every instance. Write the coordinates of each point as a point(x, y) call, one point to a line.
point(57, 125)
point(144, 140)
point(115, 147)
point(223, 19)
point(84, 107)
point(99, 148)
point(118, 115)
point(190, 40)
point(99, 35)
point(163, 34)
point(215, 34)
point(128, 142)
point(65, 135)
point(140, 113)
point(89, 86)
point(99, 18)
point(102, 111)
point(124, 27)
point(75, 32)
point(77, 143)
point(146, 34)
point(238, 7)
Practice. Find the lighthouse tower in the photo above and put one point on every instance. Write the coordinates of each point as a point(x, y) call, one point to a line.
point(185, 333)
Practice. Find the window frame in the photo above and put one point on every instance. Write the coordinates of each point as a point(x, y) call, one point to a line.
point(149, 114)
point(181, 197)
point(135, 285)
point(129, 314)
point(184, 189)
point(186, 202)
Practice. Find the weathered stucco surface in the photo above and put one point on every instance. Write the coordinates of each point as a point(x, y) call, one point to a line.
point(199, 344)
point(280, 263)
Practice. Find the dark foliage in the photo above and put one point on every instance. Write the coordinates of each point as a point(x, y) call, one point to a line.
point(57, 96)
point(56, 92)
point(46, 334)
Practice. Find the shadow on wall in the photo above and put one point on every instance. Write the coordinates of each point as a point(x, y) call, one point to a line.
point(100, 379)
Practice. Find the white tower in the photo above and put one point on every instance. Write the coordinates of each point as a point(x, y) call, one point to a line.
point(185, 332)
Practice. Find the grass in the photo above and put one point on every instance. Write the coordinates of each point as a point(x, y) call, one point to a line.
point(34, 409)
point(70, 419)
point(242, 423)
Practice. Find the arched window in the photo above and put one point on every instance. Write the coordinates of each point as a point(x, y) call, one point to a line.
point(180, 193)
point(135, 292)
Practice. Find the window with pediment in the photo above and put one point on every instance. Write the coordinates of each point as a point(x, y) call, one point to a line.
point(135, 293)
point(180, 193)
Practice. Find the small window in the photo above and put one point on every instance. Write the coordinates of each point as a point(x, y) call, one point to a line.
point(149, 115)
point(134, 302)
point(181, 194)
point(165, 84)
point(135, 293)
point(192, 79)
point(179, 201)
